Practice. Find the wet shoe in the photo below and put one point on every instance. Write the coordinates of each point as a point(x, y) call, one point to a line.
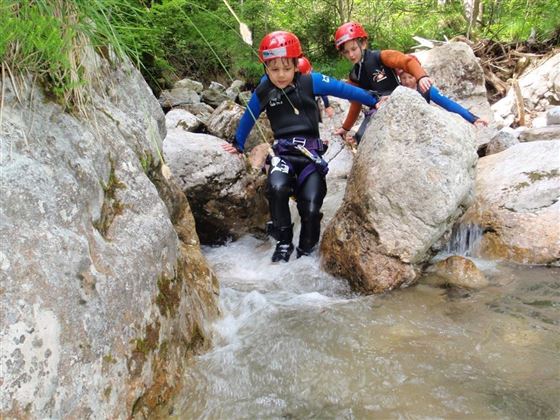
point(303, 253)
point(282, 252)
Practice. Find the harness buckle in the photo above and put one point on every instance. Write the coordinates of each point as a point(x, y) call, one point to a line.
point(299, 141)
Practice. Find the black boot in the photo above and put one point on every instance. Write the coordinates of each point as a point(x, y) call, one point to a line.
point(303, 252)
point(284, 246)
point(282, 252)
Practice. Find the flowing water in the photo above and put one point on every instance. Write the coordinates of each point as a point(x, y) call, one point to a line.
point(296, 343)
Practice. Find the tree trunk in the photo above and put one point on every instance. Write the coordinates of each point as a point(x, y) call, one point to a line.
point(472, 9)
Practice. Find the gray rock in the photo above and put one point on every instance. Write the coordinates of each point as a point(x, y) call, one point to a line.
point(244, 97)
point(553, 116)
point(226, 198)
point(412, 178)
point(201, 110)
point(101, 301)
point(233, 91)
point(457, 74)
point(501, 141)
point(213, 96)
point(179, 118)
point(189, 84)
point(539, 86)
point(178, 96)
point(517, 203)
point(551, 132)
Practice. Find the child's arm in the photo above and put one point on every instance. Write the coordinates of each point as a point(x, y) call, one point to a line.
point(399, 60)
point(351, 117)
point(247, 122)
point(353, 112)
point(328, 109)
point(451, 106)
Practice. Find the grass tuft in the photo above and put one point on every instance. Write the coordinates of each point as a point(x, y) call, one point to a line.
point(51, 40)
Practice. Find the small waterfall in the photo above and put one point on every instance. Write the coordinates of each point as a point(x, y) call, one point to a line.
point(465, 239)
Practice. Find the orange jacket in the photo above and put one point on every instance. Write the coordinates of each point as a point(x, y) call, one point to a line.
point(395, 60)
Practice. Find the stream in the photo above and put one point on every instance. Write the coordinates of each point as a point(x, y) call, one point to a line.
point(297, 343)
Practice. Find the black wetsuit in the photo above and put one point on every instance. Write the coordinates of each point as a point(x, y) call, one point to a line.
point(294, 117)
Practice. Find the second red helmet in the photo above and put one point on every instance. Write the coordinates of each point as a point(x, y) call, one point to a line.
point(279, 44)
point(304, 65)
point(347, 32)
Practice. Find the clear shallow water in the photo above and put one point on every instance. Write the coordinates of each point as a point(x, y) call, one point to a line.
point(295, 343)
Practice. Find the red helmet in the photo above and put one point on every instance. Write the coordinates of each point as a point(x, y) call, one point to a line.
point(279, 44)
point(304, 65)
point(347, 32)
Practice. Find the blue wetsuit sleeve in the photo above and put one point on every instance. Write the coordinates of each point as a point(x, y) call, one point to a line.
point(450, 105)
point(326, 85)
point(325, 99)
point(247, 122)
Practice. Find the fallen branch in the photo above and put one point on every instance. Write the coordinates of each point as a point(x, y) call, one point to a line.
point(519, 102)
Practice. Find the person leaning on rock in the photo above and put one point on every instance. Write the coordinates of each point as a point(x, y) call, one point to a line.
point(373, 70)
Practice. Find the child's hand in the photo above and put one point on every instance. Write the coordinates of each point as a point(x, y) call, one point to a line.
point(481, 122)
point(350, 140)
point(230, 148)
point(329, 111)
point(340, 132)
point(424, 84)
point(381, 101)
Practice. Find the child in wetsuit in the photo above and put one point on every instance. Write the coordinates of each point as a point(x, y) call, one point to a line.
point(373, 70)
point(297, 168)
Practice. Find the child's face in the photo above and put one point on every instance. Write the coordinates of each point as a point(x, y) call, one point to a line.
point(281, 71)
point(352, 50)
point(408, 80)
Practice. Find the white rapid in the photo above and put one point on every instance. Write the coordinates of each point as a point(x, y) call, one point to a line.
point(295, 343)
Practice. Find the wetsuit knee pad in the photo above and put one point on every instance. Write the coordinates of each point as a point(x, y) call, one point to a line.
point(309, 210)
point(279, 187)
point(310, 225)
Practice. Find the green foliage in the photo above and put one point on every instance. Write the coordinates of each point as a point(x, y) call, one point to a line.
point(515, 20)
point(50, 39)
point(171, 39)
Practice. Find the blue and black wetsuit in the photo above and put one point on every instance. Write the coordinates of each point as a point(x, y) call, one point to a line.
point(433, 94)
point(294, 117)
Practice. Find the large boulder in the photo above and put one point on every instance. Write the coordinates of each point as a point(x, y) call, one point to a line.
point(226, 196)
point(104, 289)
point(412, 178)
point(517, 203)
